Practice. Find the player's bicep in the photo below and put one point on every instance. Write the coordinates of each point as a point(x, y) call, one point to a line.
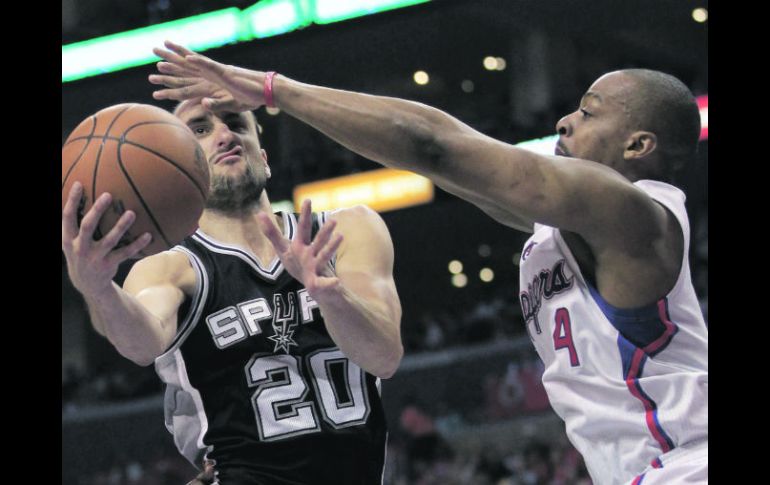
point(364, 261)
point(159, 284)
point(520, 188)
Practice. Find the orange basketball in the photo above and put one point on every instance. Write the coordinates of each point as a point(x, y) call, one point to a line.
point(151, 164)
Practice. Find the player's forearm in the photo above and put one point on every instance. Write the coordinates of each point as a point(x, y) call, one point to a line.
point(366, 333)
point(394, 132)
point(135, 332)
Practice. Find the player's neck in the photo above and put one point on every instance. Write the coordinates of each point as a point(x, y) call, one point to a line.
point(241, 227)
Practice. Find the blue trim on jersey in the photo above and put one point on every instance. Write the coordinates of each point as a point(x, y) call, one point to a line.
point(627, 350)
point(642, 326)
point(627, 353)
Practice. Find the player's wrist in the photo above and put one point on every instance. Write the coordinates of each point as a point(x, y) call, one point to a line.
point(328, 294)
point(283, 90)
point(269, 89)
point(96, 293)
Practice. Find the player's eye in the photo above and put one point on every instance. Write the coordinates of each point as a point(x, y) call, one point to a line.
point(200, 129)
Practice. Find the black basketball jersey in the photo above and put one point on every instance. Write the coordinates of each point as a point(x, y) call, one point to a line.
point(255, 382)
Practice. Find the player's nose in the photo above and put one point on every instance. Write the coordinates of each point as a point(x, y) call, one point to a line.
point(563, 126)
point(224, 136)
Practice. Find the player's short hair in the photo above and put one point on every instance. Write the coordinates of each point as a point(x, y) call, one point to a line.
point(663, 105)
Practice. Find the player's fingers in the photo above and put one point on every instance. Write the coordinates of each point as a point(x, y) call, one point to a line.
point(208, 68)
point(305, 222)
point(173, 81)
point(273, 234)
point(112, 238)
point(69, 222)
point(126, 252)
point(168, 55)
point(326, 254)
point(178, 48)
point(323, 236)
point(199, 90)
point(91, 220)
point(175, 69)
point(223, 103)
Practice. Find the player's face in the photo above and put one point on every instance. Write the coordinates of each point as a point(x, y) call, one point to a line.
point(237, 164)
point(598, 130)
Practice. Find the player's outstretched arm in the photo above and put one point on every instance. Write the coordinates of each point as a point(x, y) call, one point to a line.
point(141, 320)
point(515, 186)
point(358, 300)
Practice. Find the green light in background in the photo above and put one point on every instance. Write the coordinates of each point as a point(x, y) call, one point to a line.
point(134, 48)
point(215, 29)
point(328, 11)
point(274, 17)
point(543, 146)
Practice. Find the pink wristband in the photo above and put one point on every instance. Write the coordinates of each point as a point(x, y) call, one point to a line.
point(269, 89)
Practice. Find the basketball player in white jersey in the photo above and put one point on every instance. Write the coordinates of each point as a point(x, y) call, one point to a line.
point(605, 281)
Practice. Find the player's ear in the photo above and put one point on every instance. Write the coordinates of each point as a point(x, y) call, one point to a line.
point(264, 158)
point(640, 144)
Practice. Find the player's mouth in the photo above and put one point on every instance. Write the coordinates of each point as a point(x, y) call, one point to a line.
point(560, 151)
point(230, 156)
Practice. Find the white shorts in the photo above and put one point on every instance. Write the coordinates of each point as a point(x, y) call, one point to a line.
point(688, 464)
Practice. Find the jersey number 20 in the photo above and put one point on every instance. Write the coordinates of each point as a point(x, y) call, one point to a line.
point(280, 403)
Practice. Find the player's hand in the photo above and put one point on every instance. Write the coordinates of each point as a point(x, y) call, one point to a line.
point(188, 75)
point(306, 260)
point(93, 264)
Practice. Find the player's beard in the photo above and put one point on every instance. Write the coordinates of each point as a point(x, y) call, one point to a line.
point(235, 194)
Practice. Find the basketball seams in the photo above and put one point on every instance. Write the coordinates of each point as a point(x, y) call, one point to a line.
point(85, 147)
point(121, 141)
point(101, 147)
point(202, 190)
point(172, 162)
point(91, 135)
point(90, 154)
point(119, 159)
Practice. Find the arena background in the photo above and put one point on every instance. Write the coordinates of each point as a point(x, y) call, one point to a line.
point(466, 405)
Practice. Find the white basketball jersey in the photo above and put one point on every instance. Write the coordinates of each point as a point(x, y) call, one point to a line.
point(630, 384)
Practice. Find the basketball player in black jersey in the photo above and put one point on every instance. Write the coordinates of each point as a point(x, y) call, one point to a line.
point(270, 331)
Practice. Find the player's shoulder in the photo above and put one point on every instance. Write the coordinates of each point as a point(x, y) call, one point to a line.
point(356, 212)
point(361, 224)
point(166, 267)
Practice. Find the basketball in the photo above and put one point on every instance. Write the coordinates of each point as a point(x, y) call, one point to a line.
point(150, 163)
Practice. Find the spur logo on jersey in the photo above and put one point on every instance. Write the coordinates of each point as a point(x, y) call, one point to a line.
point(239, 322)
point(545, 284)
point(284, 323)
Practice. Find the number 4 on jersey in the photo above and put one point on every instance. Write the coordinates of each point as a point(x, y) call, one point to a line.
point(562, 336)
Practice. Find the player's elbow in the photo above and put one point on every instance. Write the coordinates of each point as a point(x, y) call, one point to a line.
point(424, 141)
point(391, 362)
point(142, 356)
point(144, 361)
